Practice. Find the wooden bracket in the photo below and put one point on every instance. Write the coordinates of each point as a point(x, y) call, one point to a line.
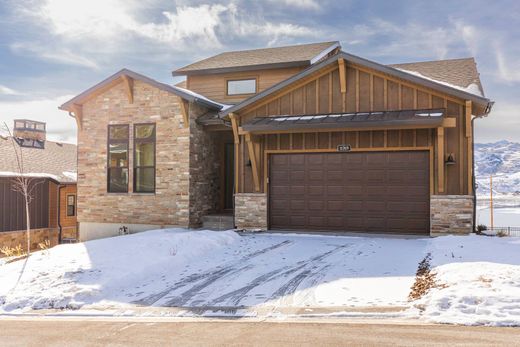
point(234, 124)
point(440, 159)
point(185, 110)
point(78, 114)
point(129, 86)
point(342, 75)
point(254, 163)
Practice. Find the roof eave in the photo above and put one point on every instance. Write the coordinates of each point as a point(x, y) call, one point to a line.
point(79, 99)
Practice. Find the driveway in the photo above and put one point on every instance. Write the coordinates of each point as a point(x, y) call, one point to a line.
point(296, 271)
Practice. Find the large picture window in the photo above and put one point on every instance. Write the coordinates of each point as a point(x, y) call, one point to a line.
point(117, 181)
point(238, 87)
point(144, 158)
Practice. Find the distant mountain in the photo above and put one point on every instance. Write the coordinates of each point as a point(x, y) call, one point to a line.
point(502, 160)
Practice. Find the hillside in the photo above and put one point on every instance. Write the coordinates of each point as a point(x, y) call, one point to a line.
point(502, 160)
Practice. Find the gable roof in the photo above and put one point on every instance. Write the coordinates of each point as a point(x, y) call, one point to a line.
point(414, 78)
point(117, 77)
point(287, 56)
point(56, 160)
point(461, 73)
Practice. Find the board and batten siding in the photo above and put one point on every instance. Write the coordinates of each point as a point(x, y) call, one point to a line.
point(214, 86)
point(366, 90)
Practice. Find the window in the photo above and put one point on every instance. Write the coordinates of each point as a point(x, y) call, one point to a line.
point(144, 158)
point(71, 205)
point(237, 87)
point(117, 175)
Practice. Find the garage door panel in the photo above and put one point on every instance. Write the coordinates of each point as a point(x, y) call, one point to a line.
point(360, 191)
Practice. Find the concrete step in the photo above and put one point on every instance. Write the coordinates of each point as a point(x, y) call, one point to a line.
point(218, 222)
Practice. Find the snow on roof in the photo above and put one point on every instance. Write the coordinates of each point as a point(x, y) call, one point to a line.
point(473, 88)
point(200, 96)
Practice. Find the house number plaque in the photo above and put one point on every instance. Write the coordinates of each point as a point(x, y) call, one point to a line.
point(343, 148)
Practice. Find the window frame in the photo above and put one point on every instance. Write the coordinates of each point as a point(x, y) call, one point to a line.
point(67, 205)
point(252, 78)
point(111, 141)
point(152, 139)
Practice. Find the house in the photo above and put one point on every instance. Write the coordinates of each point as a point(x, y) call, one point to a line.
point(304, 137)
point(51, 167)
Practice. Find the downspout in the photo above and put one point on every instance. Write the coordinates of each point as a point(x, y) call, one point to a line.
point(473, 177)
point(59, 213)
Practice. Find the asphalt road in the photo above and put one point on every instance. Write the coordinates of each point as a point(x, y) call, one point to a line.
point(89, 332)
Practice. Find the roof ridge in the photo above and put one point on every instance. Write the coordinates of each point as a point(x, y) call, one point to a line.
point(287, 46)
point(435, 61)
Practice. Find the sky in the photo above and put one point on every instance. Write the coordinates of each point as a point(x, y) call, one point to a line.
point(51, 50)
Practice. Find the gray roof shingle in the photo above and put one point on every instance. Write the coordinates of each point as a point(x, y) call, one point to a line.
point(57, 160)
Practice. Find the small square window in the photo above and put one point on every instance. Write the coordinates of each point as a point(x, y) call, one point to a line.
point(238, 87)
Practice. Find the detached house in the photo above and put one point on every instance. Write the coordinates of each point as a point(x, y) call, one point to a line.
point(304, 137)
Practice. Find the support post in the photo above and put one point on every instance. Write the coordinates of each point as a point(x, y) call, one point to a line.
point(469, 139)
point(236, 137)
point(440, 159)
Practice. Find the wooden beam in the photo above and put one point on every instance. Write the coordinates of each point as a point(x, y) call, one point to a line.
point(468, 117)
point(449, 122)
point(185, 110)
point(78, 114)
point(129, 86)
point(469, 138)
point(342, 75)
point(440, 159)
point(254, 164)
point(234, 125)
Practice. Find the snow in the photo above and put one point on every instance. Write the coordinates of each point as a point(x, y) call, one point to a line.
point(70, 175)
point(28, 174)
point(200, 96)
point(481, 276)
point(473, 88)
point(205, 273)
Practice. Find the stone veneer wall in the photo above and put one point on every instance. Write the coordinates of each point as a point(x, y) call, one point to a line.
point(12, 239)
point(251, 211)
point(451, 214)
point(170, 203)
point(204, 169)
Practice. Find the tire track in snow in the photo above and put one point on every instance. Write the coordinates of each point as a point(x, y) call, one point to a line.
point(210, 276)
point(235, 296)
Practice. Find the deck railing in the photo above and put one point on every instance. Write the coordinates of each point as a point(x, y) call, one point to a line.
point(502, 231)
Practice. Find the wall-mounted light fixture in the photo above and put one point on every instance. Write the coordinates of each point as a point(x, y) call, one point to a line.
point(450, 160)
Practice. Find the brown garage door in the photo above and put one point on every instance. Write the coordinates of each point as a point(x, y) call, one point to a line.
point(380, 192)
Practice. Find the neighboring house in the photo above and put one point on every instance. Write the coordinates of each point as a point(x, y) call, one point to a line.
point(51, 167)
point(301, 137)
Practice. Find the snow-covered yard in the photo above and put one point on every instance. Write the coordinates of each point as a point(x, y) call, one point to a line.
point(478, 278)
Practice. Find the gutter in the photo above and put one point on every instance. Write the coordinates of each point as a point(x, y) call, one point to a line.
point(473, 177)
point(59, 213)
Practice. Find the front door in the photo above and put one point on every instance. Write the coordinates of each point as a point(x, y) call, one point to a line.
point(229, 175)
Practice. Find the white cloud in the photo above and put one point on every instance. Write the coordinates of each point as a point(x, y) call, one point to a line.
point(60, 127)
point(8, 91)
point(303, 4)
point(507, 71)
point(51, 53)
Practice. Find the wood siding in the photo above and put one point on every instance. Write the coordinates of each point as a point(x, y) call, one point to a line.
point(366, 90)
point(214, 86)
point(12, 213)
